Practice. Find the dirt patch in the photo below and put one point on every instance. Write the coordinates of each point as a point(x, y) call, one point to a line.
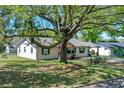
point(60, 67)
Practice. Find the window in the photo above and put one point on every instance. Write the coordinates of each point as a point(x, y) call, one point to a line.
point(81, 50)
point(31, 50)
point(19, 50)
point(24, 49)
point(45, 51)
point(68, 51)
point(71, 50)
point(105, 48)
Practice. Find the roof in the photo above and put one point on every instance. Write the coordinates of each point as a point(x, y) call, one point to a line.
point(111, 45)
point(15, 40)
point(21, 41)
point(44, 41)
point(104, 44)
point(75, 42)
point(118, 44)
point(79, 43)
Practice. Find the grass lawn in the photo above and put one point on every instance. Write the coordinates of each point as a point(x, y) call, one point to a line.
point(20, 72)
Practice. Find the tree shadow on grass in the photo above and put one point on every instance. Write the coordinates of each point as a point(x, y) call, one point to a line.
point(50, 75)
point(53, 67)
point(25, 79)
point(56, 78)
point(18, 66)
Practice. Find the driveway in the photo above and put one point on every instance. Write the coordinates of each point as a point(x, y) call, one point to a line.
point(114, 83)
point(116, 60)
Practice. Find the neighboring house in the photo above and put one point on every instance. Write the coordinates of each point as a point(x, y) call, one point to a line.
point(11, 47)
point(105, 49)
point(110, 49)
point(74, 48)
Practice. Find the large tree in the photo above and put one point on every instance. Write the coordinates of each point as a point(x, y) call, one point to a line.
point(60, 23)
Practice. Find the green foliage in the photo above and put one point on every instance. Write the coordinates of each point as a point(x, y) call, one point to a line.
point(2, 47)
point(91, 35)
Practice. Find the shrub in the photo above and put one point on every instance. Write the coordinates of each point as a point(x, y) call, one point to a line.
point(100, 59)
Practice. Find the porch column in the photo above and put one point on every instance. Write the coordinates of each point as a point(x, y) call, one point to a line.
point(38, 54)
point(88, 51)
point(97, 51)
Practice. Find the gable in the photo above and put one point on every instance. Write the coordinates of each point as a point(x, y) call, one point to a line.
point(26, 43)
point(70, 45)
point(20, 42)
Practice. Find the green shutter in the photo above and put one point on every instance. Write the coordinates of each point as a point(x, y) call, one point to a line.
point(66, 50)
point(48, 51)
point(42, 51)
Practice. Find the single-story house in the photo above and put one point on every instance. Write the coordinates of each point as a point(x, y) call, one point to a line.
point(109, 49)
point(74, 48)
point(11, 47)
point(79, 48)
point(105, 49)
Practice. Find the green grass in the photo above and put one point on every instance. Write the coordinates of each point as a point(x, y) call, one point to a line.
point(21, 72)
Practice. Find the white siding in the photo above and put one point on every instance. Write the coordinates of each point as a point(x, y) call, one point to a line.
point(28, 53)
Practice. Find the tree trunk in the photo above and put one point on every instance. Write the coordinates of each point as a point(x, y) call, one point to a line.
point(62, 55)
point(37, 55)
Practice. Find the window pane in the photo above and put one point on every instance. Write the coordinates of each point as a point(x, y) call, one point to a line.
point(68, 51)
point(24, 49)
point(45, 51)
point(31, 50)
point(71, 50)
point(81, 50)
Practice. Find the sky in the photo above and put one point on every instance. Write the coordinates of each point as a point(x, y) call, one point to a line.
point(39, 22)
point(43, 23)
point(105, 36)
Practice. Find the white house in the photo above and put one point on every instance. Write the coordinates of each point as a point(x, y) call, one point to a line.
point(74, 48)
point(105, 49)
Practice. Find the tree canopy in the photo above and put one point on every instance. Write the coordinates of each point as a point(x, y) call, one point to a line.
point(60, 23)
